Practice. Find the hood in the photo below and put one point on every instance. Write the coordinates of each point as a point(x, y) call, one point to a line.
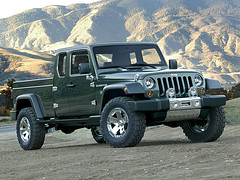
point(131, 75)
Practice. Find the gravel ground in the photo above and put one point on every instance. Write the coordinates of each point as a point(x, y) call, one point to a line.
point(164, 153)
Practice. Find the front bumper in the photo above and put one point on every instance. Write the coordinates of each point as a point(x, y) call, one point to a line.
point(165, 104)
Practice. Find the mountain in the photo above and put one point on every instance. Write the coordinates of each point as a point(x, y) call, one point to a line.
point(201, 34)
point(21, 64)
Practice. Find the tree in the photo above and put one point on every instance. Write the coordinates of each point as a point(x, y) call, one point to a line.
point(7, 94)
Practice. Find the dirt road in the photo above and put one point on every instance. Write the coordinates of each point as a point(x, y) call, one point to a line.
point(164, 153)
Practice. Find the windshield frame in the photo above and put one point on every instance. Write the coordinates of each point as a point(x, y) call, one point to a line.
point(139, 47)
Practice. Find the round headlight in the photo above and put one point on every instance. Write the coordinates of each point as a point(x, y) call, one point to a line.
point(198, 79)
point(149, 83)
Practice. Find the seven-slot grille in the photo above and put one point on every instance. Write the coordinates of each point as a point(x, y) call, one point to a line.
point(180, 84)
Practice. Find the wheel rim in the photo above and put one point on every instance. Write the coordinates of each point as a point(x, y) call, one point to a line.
point(98, 131)
point(117, 122)
point(25, 130)
point(200, 127)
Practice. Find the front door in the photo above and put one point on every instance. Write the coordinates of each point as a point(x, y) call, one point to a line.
point(60, 90)
point(81, 95)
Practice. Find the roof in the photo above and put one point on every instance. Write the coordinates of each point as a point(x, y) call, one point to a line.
point(73, 48)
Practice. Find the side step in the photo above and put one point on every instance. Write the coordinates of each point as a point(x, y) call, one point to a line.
point(91, 120)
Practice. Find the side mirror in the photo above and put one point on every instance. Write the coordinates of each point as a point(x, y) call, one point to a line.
point(84, 68)
point(172, 64)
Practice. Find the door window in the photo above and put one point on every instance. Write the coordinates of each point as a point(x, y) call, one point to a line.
point(62, 64)
point(78, 58)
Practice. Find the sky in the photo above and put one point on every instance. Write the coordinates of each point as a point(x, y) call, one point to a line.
point(12, 7)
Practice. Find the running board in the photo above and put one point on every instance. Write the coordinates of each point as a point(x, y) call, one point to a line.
point(91, 119)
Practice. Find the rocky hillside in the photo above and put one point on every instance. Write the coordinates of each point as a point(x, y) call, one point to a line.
point(201, 34)
point(24, 64)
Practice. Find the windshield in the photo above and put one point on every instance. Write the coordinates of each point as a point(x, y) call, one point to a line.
point(127, 56)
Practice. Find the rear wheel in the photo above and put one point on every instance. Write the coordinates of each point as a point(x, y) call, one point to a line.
point(97, 134)
point(122, 127)
point(207, 130)
point(30, 133)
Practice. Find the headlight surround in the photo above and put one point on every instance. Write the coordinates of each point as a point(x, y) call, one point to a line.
point(198, 80)
point(149, 83)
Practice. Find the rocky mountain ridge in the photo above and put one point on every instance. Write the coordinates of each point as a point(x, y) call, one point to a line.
point(22, 64)
point(201, 34)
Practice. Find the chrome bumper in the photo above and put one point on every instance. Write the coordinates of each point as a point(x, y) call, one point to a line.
point(185, 103)
point(183, 109)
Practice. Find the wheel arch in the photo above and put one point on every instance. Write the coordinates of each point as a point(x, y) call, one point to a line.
point(30, 100)
point(120, 89)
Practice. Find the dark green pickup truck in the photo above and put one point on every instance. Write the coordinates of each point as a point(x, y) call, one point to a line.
point(116, 90)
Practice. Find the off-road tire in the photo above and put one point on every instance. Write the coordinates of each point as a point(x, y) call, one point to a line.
point(67, 130)
point(214, 128)
point(37, 130)
point(135, 127)
point(97, 137)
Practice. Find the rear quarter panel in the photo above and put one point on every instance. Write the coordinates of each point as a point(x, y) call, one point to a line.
point(40, 87)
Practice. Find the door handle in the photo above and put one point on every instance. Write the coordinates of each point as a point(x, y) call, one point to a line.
point(70, 85)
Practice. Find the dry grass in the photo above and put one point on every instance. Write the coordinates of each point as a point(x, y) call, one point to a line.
point(232, 111)
point(6, 121)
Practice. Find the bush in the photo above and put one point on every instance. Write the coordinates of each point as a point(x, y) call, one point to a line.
point(3, 111)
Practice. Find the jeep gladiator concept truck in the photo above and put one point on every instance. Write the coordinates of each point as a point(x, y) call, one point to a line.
point(116, 90)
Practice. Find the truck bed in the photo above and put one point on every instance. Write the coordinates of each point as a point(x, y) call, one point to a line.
point(40, 87)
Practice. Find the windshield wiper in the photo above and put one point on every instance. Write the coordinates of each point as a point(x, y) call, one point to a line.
point(141, 64)
point(107, 67)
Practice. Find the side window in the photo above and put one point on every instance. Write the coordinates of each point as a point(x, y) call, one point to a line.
point(78, 58)
point(62, 64)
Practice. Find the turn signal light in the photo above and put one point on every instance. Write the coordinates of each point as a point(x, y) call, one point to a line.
point(201, 90)
point(150, 93)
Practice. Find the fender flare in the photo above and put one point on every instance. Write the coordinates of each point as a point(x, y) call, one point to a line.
point(131, 87)
point(212, 83)
point(36, 104)
point(127, 88)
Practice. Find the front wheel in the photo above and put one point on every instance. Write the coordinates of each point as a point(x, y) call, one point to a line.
point(206, 130)
point(30, 133)
point(122, 127)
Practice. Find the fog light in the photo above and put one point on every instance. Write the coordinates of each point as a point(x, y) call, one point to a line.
point(171, 93)
point(174, 104)
point(196, 103)
point(192, 92)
